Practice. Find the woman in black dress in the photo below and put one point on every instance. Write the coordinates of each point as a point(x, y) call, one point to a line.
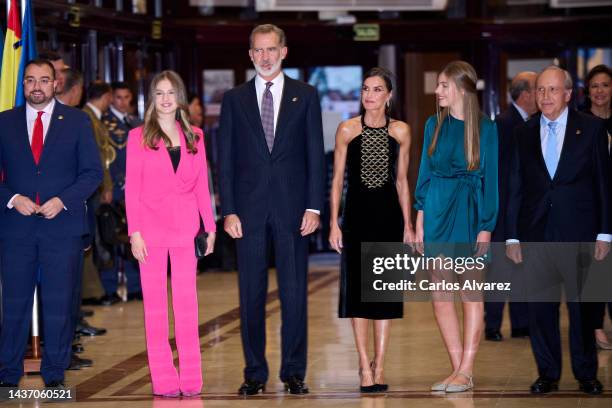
point(374, 150)
point(598, 86)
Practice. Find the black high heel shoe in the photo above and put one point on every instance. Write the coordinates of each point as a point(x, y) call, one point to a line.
point(366, 389)
point(380, 387)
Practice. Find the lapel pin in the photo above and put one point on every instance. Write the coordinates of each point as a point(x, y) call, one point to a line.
point(60, 117)
point(578, 132)
point(294, 99)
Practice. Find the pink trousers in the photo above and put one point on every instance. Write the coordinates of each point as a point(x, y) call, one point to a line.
point(153, 276)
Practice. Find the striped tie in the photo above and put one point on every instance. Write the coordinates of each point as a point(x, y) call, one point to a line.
point(267, 116)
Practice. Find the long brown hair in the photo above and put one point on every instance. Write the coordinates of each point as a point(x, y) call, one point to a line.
point(464, 77)
point(152, 131)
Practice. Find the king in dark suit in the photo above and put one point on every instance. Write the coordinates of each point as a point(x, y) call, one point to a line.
point(522, 92)
point(51, 165)
point(271, 184)
point(559, 192)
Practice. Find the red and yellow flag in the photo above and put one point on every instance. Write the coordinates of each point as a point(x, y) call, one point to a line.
point(11, 58)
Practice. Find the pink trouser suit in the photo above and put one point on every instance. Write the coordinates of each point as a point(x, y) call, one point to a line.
point(165, 207)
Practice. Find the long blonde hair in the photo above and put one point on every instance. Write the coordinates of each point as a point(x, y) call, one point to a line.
point(464, 77)
point(152, 130)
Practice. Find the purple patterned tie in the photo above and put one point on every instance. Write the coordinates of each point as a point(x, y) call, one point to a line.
point(267, 116)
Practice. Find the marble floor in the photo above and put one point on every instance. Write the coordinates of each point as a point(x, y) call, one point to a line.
point(416, 359)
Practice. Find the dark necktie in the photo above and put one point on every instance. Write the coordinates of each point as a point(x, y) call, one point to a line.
point(267, 116)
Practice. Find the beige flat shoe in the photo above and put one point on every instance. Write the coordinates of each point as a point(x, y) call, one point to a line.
point(439, 386)
point(461, 387)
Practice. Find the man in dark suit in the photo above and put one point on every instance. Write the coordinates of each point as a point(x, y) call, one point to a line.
point(559, 194)
point(118, 121)
point(51, 165)
point(522, 92)
point(271, 173)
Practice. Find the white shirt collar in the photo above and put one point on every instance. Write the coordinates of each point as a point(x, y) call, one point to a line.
point(277, 82)
point(561, 120)
point(32, 111)
point(120, 115)
point(95, 110)
point(521, 111)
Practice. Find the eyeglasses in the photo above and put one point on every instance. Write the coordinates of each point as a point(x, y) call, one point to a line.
point(32, 81)
point(553, 90)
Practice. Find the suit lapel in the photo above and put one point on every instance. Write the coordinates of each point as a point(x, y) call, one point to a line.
point(569, 141)
point(251, 110)
point(536, 139)
point(288, 101)
point(22, 132)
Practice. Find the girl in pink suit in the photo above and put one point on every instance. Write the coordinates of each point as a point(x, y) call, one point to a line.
point(166, 193)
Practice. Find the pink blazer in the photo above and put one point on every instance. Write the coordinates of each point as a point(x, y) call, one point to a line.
point(162, 205)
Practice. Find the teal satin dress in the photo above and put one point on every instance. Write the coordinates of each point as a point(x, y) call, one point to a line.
point(457, 204)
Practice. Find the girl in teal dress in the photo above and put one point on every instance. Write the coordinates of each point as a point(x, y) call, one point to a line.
point(457, 202)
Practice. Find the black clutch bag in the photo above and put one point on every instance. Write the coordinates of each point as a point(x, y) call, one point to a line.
point(200, 242)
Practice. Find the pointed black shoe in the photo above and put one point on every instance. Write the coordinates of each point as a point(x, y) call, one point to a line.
point(251, 387)
point(592, 387)
point(296, 386)
point(493, 335)
point(55, 384)
point(368, 389)
point(544, 386)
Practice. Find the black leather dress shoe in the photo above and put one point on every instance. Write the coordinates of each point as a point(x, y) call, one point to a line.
point(592, 387)
point(86, 313)
point(76, 363)
point(108, 300)
point(77, 348)
point(296, 386)
point(520, 333)
point(85, 329)
point(134, 296)
point(493, 335)
point(544, 386)
point(55, 384)
point(251, 387)
point(4, 384)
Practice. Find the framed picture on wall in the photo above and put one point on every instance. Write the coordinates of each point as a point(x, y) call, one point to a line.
point(139, 6)
point(216, 82)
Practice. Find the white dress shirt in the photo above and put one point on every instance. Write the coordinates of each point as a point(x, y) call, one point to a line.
point(559, 131)
point(277, 93)
point(521, 111)
point(560, 134)
point(120, 115)
point(31, 115)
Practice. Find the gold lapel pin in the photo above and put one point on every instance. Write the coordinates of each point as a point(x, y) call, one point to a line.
point(60, 117)
point(294, 99)
point(578, 132)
